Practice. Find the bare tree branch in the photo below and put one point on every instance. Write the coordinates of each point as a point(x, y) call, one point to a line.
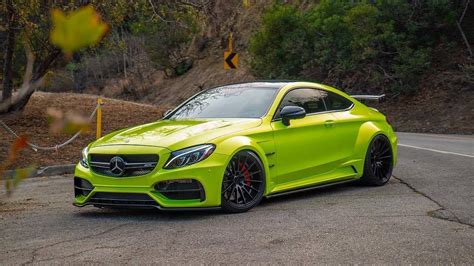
point(31, 80)
point(202, 5)
point(464, 12)
point(26, 87)
point(158, 15)
point(458, 23)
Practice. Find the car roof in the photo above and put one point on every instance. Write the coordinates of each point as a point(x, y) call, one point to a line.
point(276, 84)
point(280, 85)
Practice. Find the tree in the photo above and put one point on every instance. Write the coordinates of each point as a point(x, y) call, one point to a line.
point(33, 18)
point(10, 46)
point(169, 23)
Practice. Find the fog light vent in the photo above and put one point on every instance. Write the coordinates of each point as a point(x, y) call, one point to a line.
point(181, 189)
point(82, 187)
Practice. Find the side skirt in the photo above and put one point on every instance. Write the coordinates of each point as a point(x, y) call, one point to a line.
point(277, 194)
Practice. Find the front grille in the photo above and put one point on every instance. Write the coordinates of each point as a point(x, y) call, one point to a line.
point(133, 164)
point(181, 189)
point(82, 187)
point(124, 199)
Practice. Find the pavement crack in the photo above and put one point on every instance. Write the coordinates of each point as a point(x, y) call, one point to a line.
point(35, 251)
point(442, 212)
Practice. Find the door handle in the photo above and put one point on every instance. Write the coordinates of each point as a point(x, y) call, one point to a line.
point(329, 123)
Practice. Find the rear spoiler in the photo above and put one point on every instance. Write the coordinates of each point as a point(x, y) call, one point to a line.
point(369, 97)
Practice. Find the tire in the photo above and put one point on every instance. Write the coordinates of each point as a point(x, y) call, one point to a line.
point(378, 165)
point(243, 184)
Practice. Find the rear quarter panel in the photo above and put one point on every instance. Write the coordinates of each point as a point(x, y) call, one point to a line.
point(374, 125)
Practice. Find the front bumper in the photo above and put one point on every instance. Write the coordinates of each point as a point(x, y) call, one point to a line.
point(140, 191)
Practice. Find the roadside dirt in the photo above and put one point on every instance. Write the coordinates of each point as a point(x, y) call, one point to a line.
point(432, 111)
point(33, 122)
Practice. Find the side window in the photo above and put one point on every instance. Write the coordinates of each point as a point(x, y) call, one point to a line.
point(309, 99)
point(335, 101)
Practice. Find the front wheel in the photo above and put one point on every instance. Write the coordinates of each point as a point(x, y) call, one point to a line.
point(243, 184)
point(378, 164)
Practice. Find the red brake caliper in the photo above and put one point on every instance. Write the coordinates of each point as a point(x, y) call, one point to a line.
point(246, 173)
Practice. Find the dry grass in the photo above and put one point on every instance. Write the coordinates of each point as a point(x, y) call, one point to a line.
point(33, 123)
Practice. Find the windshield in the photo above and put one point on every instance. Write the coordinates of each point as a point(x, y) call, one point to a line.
point(228, 102)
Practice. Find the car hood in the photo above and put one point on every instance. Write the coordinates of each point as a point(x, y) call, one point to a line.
point(176, 134)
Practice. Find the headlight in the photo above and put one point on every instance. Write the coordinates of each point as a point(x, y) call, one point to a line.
point(189, 156)
point(85, 153)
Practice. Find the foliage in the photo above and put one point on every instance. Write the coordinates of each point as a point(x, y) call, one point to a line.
point(18, 175)
point(168, 32)
point(357, 44)
point(281, 43)
point(78, 30)
point(167, 25)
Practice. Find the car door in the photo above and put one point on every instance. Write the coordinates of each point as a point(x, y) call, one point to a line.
point(348, 124)
point(302, 148)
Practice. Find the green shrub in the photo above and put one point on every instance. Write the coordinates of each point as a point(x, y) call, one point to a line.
point(365, 44)
point(280, 49)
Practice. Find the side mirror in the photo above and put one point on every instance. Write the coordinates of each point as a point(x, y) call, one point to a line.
point(167, 112)
point(291, 112)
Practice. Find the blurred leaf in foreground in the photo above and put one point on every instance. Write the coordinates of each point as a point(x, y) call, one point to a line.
point(69, 123)
point(19, 144)
point(80, 28)
point(19, 174)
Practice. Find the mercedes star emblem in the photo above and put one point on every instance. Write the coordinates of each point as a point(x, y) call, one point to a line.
point(117, 166)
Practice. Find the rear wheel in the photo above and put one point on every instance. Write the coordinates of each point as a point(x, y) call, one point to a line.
point(243, 184)
point(378, 162)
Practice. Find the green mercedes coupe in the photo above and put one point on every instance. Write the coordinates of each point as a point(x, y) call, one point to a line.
point(230, 146)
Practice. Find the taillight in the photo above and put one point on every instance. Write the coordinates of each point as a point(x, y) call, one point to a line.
point(388, 120)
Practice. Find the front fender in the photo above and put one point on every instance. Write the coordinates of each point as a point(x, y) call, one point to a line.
point(233, 145)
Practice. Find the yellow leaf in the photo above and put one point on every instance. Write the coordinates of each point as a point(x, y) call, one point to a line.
point(81, 28)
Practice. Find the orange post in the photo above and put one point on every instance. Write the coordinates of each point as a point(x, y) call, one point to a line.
point(98, 132)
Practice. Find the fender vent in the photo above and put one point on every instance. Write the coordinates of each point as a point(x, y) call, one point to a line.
point(354, 169)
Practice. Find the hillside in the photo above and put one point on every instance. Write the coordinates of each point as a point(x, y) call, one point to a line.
point(443, 102)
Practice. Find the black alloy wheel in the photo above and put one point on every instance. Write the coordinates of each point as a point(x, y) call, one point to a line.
point(378, 162)
point(243, 184)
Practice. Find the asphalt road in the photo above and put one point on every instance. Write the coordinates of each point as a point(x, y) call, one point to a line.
point(424, 215)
